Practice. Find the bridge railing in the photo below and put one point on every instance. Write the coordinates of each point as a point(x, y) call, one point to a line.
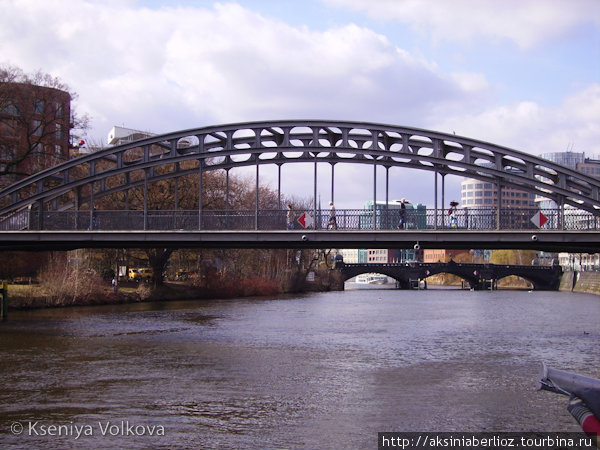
point(268, 220)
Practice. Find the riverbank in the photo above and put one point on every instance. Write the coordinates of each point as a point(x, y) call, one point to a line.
point(35, 296)
point(582, 282)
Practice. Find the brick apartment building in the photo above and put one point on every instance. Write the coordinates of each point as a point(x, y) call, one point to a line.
point(34, 129)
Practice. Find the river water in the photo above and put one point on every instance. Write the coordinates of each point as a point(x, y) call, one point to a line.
point(326, 370)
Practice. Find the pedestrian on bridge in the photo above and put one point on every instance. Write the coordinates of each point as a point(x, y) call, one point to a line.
point(289, 218)
point(402, 220)
point(332, 224)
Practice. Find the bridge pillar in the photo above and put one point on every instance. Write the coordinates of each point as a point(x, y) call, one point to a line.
point(4, 301)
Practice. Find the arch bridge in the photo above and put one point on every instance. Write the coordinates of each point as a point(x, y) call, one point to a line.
point(61, 198)
point(479, 276)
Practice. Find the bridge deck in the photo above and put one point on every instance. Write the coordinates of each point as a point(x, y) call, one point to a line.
point(572, 241)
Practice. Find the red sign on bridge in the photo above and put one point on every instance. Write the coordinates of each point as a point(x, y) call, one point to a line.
point(539, 220)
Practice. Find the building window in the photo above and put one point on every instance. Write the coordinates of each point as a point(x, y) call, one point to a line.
point(37, 127)
point(59, 133)
point(38, 108)
point(8, 127)
point(59, 110)
point(10, 109)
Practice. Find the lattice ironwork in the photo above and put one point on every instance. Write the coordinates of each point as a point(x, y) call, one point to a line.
point(282, 142)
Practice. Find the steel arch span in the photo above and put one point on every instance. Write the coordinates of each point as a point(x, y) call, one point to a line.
point(288, 141)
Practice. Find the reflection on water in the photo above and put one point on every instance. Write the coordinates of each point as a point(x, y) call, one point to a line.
point(320, 370)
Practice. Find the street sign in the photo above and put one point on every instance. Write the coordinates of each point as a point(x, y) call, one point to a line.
point(306, 220)
point(539, 220)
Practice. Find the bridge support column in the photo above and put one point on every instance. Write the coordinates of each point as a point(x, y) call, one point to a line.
point(4, 301)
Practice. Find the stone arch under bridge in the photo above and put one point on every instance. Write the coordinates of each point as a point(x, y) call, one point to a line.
point(223, 147)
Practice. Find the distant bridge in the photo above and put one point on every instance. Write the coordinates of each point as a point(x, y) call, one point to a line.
point(479, 276)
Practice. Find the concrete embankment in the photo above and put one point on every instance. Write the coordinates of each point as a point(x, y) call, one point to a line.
point(584, 282)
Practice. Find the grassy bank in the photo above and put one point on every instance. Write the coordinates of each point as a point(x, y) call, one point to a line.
point(46, 296)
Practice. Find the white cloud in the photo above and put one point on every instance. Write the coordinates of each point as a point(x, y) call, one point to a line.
point(529, 127)
point(527, 23)
point(175, 68)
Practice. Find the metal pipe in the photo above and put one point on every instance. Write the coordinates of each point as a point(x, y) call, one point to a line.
point(563, 382)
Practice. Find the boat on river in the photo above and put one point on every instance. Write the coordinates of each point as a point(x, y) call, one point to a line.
point(371, 279)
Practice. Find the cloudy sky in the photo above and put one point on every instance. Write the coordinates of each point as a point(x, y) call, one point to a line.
point(519, 73)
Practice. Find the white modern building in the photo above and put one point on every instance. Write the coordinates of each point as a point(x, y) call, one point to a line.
point(121, 135)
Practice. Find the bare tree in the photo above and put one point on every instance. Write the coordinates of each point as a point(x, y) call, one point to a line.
point(36, 122)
